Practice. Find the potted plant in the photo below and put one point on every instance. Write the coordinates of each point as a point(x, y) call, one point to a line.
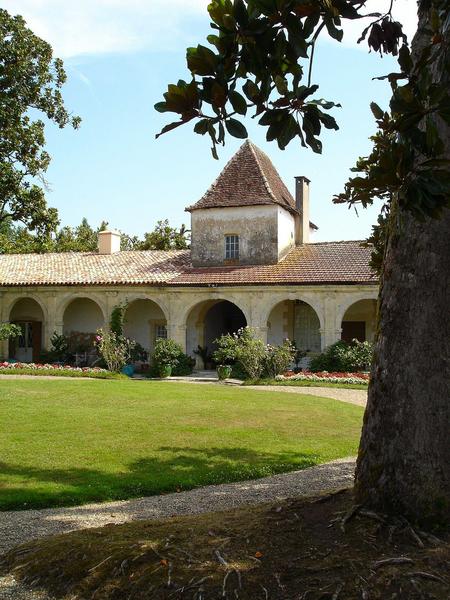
point(225, 355)
point(224, 372)
point(166, 356)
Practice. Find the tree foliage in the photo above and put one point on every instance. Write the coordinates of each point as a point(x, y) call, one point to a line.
point(30, 86)
point(261, 59)
point(15, 239)
point(165, 237)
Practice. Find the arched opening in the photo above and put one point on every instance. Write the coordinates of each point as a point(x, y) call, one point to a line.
point(359, 321)
point(297, 321)
point(145, 322)
point(28, 314)
point(208, 321)
point(82, 317)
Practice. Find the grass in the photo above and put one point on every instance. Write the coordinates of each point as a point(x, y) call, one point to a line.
point(70, 442)
point(62, 373)
point(306, 383)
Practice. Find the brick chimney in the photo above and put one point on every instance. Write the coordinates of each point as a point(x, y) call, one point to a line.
point(108, 242)
point(302, 205)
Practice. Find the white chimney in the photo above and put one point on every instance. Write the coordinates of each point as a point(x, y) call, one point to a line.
point(302, 205)
point(108, 242)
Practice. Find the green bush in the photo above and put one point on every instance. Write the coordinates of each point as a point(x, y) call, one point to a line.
point(278, 359)
point(344, 357)
point(168, 352)
point(59, 350)
point(9, 331)
point(185, 365)
point(249, 356)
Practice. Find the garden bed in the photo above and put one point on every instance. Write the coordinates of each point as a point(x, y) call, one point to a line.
point(323, 379)
point(37, 369)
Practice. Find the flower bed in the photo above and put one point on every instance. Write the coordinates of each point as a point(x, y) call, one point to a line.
point(325, 377)
point(17, 368)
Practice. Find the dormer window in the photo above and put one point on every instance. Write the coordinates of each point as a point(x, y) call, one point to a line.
point(231, 247)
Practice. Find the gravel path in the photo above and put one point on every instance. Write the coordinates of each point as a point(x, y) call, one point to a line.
point(358, 397)
point(17, 527)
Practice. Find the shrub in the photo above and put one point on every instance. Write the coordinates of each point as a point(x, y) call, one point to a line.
point(226, 353)
point(117, 319)
point(185, 365)
point(341, 356)
point(115, 350)
point(59, 350)
point(249, 357)
point(9, 331)
point(169, 353)
point(278, 359)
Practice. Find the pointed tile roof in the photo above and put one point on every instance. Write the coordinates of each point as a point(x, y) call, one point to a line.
point(248, 179)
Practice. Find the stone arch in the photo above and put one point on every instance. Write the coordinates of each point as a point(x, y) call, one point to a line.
point(29, 313)
point(159, 300)
point(211, 318)
point(145, 321)
point(346, 302)
point(67, 299)
point(296, 320)
point(81, 317)
point(359, 320)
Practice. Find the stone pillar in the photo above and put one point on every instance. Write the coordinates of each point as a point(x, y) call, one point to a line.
point(53, 322)
point(4, 345)
point(261, 333)
point(112, 300)
point(330, 332)
point(177, 333)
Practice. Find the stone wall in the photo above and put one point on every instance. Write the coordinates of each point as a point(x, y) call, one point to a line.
point(183, 309)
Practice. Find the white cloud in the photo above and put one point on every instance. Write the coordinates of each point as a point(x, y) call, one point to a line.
point(82, 27)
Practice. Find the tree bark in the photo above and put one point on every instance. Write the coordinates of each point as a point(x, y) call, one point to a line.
point(403, 464)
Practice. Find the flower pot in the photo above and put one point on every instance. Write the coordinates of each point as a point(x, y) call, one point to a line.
point(165, 371)
point(128, 370)
point(223, 372)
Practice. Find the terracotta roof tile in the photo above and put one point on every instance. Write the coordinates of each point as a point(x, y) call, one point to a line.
point(248, 179)
point(328, 262)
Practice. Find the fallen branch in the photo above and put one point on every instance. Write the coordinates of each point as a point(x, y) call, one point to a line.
point(99, 564)
point(220, 558)
point(400, 560)
point(425, 575)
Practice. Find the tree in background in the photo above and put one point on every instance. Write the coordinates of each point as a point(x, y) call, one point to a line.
point(165, 237)
point(30, 84)
point(260, 58)
point(84, 238)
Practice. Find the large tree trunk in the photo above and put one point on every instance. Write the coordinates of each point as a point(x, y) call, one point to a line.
point(404, 457)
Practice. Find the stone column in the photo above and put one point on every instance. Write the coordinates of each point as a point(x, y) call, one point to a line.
point(330, 332)
point(4, 345)
point(53, 322)
point(177, 333)
point(261, 333)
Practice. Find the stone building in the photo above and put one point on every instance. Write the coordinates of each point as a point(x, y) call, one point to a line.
point(251, 262)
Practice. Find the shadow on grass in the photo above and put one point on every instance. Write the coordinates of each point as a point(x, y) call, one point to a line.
point(189, 468)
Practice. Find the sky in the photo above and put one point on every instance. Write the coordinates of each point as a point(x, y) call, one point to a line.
point(120, 55)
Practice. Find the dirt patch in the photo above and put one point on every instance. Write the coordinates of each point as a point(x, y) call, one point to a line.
point(302, 549)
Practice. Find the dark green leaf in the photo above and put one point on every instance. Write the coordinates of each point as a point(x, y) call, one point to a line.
point(236, 128)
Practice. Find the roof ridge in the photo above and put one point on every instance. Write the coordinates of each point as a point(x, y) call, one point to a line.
point(253, 149)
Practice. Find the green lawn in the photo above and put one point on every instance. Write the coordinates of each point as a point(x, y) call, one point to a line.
point(70, 442)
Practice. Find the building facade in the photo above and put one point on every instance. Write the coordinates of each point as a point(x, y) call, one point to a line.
point(251, 262)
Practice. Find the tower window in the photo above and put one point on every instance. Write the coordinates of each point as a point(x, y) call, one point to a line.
point(231, 247)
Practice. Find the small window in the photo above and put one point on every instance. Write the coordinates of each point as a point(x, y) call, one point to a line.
point(231, 247)
point(161, 332)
